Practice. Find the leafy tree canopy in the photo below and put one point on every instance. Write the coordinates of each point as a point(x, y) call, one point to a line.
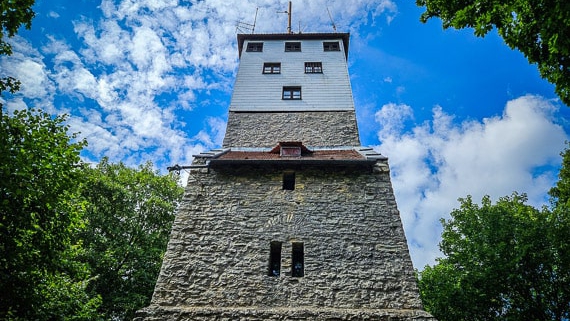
point(504, 261)
point(129, 215)
point(13, 14)
point(39, 216)
point(537, 28)
point(560, 193)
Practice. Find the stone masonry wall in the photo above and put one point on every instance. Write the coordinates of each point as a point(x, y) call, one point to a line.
point(357, 264)
point(332, 128)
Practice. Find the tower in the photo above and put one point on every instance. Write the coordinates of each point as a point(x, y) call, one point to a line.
point(292, 219)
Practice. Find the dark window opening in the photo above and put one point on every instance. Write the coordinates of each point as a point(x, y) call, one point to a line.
point(289, 181)
point(298, 260)
point(255, 46)
point(291, 93)
point(313, 67)
point(331, 46)
point(292, 46)
point(272, 68)
point(275, 259)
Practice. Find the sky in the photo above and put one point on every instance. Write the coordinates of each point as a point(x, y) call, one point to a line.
point(151, 80)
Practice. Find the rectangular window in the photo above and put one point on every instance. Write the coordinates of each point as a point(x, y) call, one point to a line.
point(331, 46)
point(292, 46)
point(272, 68)
point(291, 93)
point(293, 151)
point(298, 260)
point(275, 259)
point(289, 181)
point(314, 67)
point(255, 46)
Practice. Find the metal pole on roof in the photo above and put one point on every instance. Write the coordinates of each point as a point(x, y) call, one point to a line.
point(289, 20)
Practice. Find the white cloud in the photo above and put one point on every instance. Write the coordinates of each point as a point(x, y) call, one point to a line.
point(436, 162)
point(112, 81)
point(114, 73)
point(27, 66)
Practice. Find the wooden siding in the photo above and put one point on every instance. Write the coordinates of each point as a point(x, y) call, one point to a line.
point(330, 90)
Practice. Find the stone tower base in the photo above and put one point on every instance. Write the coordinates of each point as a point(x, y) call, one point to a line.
point(156, 313)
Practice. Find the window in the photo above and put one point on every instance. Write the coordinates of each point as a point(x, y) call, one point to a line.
point(292, 46)
point(289, 181)
point(297, 260)
point(272, 68)
point(291, 93)
point(331, 46)
point(255, 46)
point(313, 67)
point(294, 151)
point(275, 259)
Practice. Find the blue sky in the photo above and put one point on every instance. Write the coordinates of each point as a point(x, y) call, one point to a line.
point(151, 80)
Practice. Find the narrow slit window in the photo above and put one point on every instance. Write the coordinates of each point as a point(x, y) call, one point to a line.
point(331, 46)
point(289, 181)
point(275, 259)
point(298, 260)
point(272, 68)
point(291, 93)
point(254, 47)
point(314, 67)
point(292, 46)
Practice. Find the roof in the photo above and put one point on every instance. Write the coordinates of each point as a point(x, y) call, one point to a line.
point(326, 156)
point(315, 155)
point(344, 36)
point(332, 156)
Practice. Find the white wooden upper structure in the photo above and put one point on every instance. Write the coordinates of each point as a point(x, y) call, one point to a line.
point(292, 72)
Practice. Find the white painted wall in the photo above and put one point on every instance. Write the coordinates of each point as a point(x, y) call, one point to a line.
point(255, 91)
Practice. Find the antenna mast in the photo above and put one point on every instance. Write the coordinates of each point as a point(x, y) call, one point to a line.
point(288, 18)
point(247, 26)
point(332, 21)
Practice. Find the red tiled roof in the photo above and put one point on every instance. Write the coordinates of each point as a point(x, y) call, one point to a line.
point(315, 155)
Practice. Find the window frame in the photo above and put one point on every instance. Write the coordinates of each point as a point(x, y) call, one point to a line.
point(293, 90)
point(331, 46)
point(313, 67)
point(292, 46)
point(254, 46)
point(271, 68)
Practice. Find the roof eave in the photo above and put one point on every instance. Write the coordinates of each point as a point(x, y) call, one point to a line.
point(218, 163)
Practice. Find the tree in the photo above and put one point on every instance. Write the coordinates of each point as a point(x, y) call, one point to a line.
point(504, 261)
point(39, 216)
point(537, 28)
point(561, 192)
point(130, 213)
point(13, 14)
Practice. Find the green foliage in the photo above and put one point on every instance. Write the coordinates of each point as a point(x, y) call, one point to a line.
point(561, 192)
point(504, 261)
point(129, 215)
point(39, 216)
point(13, 14)
point(537, 28)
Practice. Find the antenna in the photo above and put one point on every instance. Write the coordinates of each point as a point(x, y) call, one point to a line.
point(289, 17)
point(241, 26)
point(332, 21)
